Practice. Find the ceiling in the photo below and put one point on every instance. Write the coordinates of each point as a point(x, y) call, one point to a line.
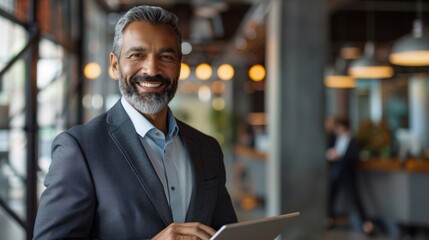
point(379, 21)
point(211, 26)
point(214, 27)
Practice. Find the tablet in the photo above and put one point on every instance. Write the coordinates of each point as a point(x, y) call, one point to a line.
point(260, 229)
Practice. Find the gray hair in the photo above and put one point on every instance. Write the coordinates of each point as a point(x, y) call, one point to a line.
point(150, 14)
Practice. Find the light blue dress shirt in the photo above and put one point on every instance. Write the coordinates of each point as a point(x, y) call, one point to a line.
point(169, 156)
point(341, 144)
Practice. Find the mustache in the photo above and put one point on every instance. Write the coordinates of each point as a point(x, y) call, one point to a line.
point(147, 78)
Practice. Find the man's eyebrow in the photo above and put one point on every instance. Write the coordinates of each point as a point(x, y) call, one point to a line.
point(168, 50)
point(135, 49)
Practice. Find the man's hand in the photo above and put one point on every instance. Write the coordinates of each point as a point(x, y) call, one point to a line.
point(332, 155)
point(185, 231)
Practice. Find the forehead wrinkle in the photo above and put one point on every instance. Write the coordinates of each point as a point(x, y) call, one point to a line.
point(168, 50)
point(133, 34)
point(136, 49)
point(143, 49)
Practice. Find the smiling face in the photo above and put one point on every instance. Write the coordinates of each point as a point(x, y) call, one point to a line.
point(148, 66)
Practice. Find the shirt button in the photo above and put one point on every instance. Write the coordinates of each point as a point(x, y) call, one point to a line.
point(173, 188)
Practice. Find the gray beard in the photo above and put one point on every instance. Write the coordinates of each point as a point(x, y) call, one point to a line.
point(149, 103)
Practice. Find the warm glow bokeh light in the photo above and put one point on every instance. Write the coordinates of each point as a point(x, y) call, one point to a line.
point(218, 104)
point(340, 81)
point(225, 72)
point(375, 72)
point(411, 58)
point(350, 53)
point(92, 70)
point(185, 71)
point(218, 87)
point(257, 73)
point(203, 71)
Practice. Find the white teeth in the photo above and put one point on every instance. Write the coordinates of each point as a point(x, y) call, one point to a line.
point(150, 84)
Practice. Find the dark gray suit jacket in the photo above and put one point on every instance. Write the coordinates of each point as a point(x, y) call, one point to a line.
point(101, 184)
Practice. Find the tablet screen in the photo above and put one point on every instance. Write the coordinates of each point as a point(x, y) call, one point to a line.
point(259, 229)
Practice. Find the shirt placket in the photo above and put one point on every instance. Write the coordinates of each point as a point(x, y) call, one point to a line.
point(174, 187)
point(171, 178)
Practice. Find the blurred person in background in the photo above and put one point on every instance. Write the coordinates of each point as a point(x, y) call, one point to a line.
point(330, 131)
point(342, 155)
point(136, 172)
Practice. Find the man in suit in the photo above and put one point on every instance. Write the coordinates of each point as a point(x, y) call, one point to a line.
point(136, 172)
point(342, 157)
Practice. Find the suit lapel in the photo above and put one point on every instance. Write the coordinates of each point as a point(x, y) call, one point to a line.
point(194, 154)
point(127, 140)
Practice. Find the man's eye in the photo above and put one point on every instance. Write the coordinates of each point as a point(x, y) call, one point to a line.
point(167, 57)
point(136, 55)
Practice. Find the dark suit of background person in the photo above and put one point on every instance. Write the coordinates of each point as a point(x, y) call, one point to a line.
point(330, 131)
point(101, 183)
point(342, 173)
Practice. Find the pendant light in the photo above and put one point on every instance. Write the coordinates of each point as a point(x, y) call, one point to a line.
point(368, 66)
point(336, 77)
point(412, 49)
point(339, 81)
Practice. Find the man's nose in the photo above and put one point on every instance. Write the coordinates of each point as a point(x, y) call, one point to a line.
point(151, 66)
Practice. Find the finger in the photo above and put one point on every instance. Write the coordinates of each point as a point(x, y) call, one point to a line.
point(207, 229)
point(201, 226)
point(194, 229)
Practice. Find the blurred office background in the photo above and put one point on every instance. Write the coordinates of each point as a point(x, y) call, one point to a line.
point(259, 75)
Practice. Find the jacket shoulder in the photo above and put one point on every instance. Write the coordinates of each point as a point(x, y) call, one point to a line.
point(96, 124)
point(102, 123)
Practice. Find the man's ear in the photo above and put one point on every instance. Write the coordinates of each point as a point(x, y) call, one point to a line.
point(114, 65)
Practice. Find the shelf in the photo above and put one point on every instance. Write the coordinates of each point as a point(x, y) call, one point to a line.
point(393, 164)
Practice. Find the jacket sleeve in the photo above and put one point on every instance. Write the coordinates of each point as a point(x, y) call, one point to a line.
point(68, 203)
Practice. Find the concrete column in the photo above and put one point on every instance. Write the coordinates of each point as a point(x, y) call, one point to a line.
point(296, 43)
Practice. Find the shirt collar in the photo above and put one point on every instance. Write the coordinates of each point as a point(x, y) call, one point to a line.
point(143, 126)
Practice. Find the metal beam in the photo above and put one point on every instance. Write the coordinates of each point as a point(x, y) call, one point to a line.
point(33, 40)
point(12, 18)
point(31, 123)
point(80, 63)
point(11, 213)
point(381, 6)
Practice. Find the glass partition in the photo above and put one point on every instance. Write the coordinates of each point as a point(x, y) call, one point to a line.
point(12, 122)
point(57, 96)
